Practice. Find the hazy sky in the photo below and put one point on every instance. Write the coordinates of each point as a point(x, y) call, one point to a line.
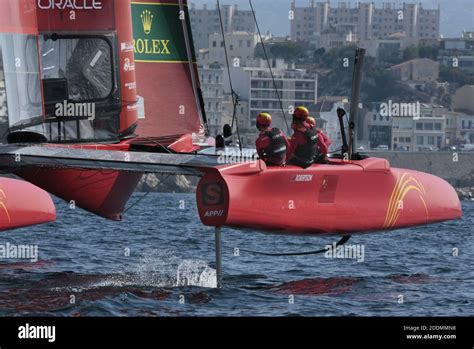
point(456, 15)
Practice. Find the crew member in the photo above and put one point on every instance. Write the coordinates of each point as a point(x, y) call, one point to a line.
point(271, 143)
point(323, 143)
point(304, 143)
point(228, 139)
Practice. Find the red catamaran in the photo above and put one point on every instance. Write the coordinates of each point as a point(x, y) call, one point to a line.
point(135, 62)
point(82, 53)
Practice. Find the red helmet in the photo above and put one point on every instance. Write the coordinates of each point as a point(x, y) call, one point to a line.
point(301, 113)
point(311, 121)
point(264, 120)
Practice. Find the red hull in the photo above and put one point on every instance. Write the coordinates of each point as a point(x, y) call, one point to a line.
point(23, 205)
point(104, 193)
point(340, 198)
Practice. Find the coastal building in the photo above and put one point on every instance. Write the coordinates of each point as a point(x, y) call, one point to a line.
point(212, 86)
point(363, 21)
point(255, 85)
point(458, 52)
point(205, 22)
point(463, 99)
point(240, 49)
point(421, 69)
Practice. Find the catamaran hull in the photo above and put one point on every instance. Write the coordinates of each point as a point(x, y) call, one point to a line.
point(104, 193)
point(340, 198)
point(22, 205)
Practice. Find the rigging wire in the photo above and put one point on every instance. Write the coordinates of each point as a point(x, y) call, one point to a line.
point(235, 96)
point(157, 143)
point(269, 67)
point(146, 194)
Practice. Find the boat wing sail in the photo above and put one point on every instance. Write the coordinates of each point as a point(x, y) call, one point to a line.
point(13, 157)
point(168, 84)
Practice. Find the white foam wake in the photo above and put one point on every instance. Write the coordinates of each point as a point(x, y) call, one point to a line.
point(158, 272)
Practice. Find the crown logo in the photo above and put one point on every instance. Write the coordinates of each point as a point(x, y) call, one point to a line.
point(147, 21)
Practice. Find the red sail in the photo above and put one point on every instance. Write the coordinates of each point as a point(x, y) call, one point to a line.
point(166, 71)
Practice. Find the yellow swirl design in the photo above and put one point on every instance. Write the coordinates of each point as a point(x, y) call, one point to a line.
point(405, 184)
point(3, 205)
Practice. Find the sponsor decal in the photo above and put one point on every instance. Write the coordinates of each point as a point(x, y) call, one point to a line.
point(127, 46)
point(132, 107)
point(212, 194)
point(214, 213)
point(303, 178)
point(141, 107)
point(70, 4)
point(158, 33)
point(128, 66)
point(147, 21)
point(131, 85)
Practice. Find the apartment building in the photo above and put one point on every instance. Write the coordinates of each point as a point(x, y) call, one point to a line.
point(240, 49)
point(255, 85)
point(363, 21)
point(205, 22)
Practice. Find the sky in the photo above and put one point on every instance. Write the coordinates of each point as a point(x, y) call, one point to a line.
point(272, 15)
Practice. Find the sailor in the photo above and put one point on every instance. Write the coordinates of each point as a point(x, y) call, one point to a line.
point(271, 143)
point(304, 143)
point(323, 143)
point(228, 139)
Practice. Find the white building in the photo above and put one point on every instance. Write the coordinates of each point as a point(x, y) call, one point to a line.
point(458, 52)
point(240, 49)
point(425, 130)
point(466, 128)
point(255, 85)
point(212, 86)
point(389, 49)
point(364, 20)
point(205, 22)
point(247, 134)
point(326, 109)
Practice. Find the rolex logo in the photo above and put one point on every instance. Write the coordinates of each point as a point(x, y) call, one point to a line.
point(147, 21)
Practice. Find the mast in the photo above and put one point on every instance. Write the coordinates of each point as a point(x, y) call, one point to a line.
point(354, 109)
point(192, 71)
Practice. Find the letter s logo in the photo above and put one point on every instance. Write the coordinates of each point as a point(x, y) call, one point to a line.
point(213, 194)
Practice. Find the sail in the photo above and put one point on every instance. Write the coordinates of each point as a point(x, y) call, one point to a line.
point(67, 71)
point(168, 89)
